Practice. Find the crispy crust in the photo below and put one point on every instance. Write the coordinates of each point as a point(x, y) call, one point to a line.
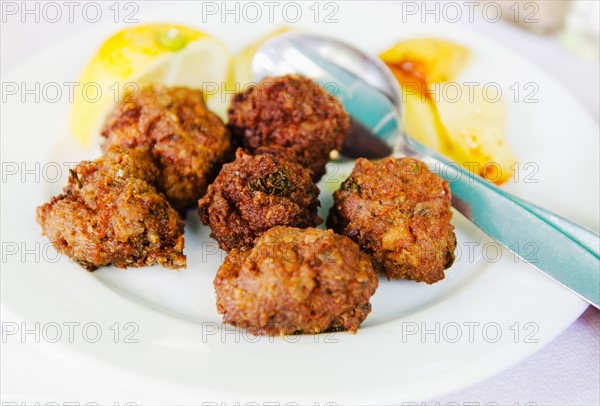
point(291, 111)
point(399, 213)
point(257, 192)
point(188, 142)
point(296, 281)
point(109, 213)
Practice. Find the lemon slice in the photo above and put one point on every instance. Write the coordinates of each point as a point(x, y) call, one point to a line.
point(174, 55)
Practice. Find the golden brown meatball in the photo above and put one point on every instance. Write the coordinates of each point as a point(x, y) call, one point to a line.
point(257, 192)
point(188, 142)
point(291, 111)
point(296, 281)
point(399, 213)
point(109, 213)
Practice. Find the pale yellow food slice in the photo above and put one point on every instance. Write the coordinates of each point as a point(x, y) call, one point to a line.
point(417, 63)
point(419, 122)
point(476, 130)
point(468, 131)
point(428, 60)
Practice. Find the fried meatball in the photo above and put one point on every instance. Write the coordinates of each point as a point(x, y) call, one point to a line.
point(399, 213)
point(296, 281)
point(188, 142)
point(257, 192)
point(109, 213)
point(294, 112)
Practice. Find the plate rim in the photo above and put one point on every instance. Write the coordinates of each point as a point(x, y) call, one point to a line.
point(577, 309)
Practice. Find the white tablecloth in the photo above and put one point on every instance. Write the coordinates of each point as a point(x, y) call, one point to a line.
point(566, 372)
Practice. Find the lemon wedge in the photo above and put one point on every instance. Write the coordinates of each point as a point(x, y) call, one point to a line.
point(174, 55)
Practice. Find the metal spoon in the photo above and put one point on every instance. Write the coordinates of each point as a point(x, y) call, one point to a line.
point(567, 252)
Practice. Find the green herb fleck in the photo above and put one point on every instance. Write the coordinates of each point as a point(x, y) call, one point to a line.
point(274, 184)
point(352, 185)
point(75, 178)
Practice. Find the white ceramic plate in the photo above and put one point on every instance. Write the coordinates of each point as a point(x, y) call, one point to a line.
point(420, 341)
